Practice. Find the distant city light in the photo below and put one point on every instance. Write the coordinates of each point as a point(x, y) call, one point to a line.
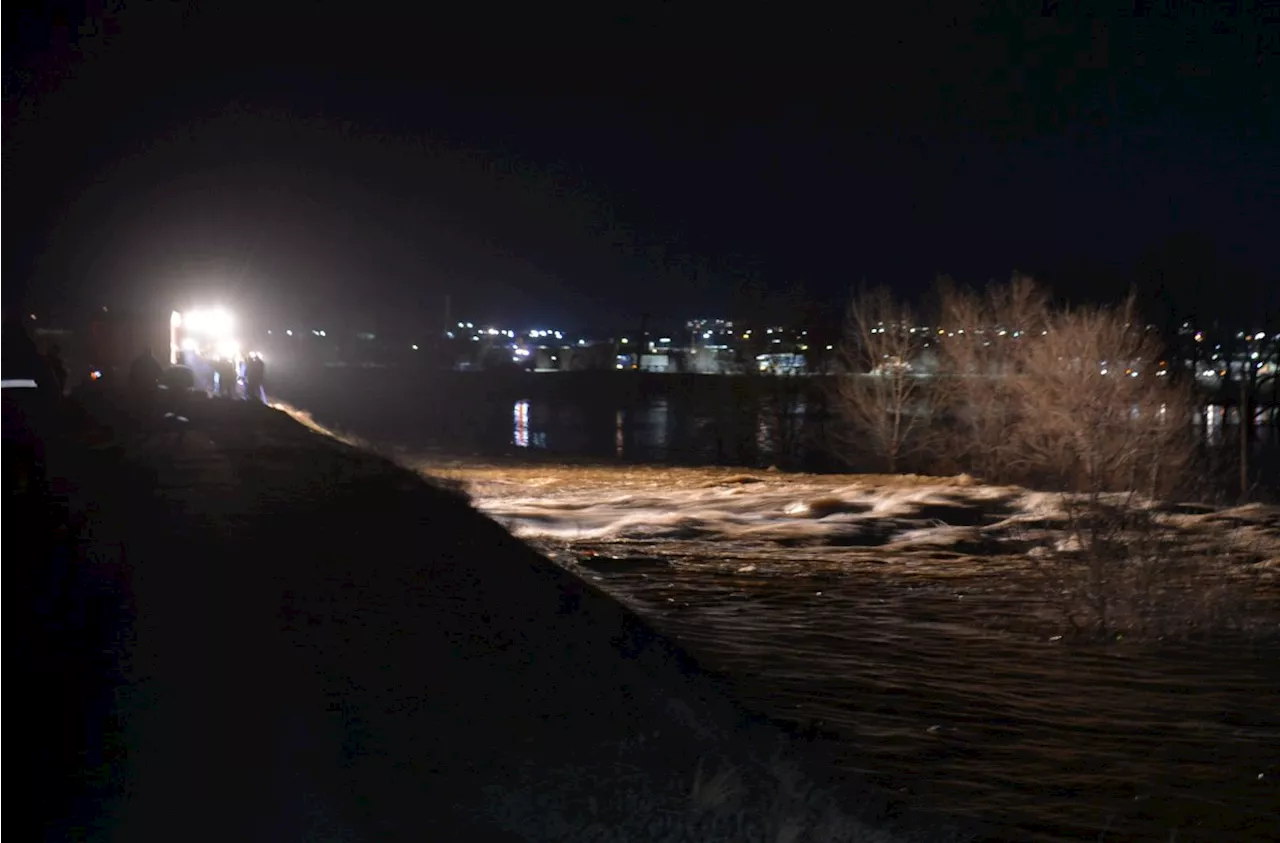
point(414, 347)
point(289, 331)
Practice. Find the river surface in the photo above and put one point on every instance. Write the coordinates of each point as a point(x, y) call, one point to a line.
point(642, 418)
point(789, 422)
point(894, 619)
point(926, 661)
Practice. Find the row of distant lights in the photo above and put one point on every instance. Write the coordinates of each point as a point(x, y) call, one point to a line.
point(1258, 337)
point(317, 332)
point(880, 329)
point(540, 333)
point(1253, 355)
point(1222, 373)
point(746, 335)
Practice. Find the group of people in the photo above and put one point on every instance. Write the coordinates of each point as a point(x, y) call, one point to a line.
point(146, 374)
point(35, 385)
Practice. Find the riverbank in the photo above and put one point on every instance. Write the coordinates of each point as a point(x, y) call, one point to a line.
point(296, 639)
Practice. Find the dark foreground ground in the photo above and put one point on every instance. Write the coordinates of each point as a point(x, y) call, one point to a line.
point(253, 632)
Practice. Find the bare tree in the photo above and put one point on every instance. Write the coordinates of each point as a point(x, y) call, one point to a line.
point(881, 391)
point(1097, 413)
point(980, 341)
point(1067, 397)
point(1023, 392)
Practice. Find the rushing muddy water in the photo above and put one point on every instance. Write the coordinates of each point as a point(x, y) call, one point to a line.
point(892, 623)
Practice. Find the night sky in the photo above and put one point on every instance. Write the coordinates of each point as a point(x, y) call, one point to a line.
point(313, 160)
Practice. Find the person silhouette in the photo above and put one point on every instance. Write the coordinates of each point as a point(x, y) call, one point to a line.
point(54, 359)
point(255, 378)
point(145, 372)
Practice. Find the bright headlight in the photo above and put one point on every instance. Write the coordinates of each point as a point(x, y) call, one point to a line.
point(214, 323)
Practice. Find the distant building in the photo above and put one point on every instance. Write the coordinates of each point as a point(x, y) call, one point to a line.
point(656, 363)
point(784, 363)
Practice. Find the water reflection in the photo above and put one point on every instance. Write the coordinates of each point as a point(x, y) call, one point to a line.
point(521, 434)
point(663, 429)
point(653, 435)
point(764, 434)
point(792, 432)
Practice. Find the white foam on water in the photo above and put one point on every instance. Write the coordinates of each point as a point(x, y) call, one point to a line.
point(724, 512)
point(786, 509)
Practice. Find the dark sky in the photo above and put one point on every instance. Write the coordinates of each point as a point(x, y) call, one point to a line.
point(349, 158)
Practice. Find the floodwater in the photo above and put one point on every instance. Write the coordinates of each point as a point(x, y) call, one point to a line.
point(682, 419)
point(899, 622)
point(885, 617)
point(632, 418)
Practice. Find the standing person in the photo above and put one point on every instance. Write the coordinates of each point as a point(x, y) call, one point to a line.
point(226, 370)
point(256, 378)
point(54, 359)
point(145, 373)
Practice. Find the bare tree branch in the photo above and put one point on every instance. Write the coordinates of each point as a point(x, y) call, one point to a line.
point(881, 388)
